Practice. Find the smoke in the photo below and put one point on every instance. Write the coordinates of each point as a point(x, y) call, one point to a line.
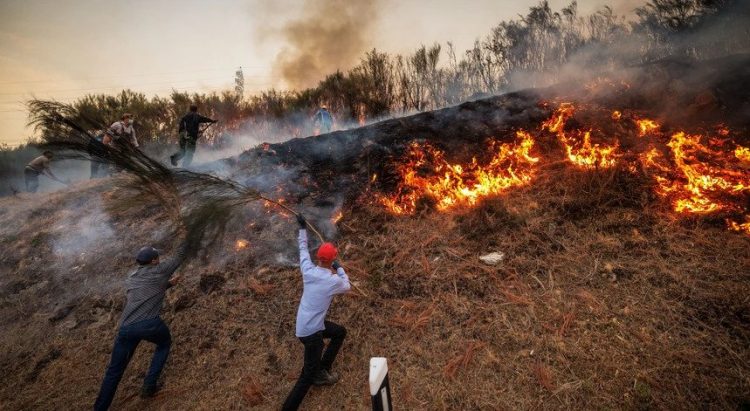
point(86, 235)
point(332, 35)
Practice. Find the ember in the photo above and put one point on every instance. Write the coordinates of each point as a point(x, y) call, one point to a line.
point(241, 244)
point(337, 217)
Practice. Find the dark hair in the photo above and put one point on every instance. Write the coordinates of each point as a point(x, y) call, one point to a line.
point(193, 108)
point(48, 153)
point(126, 115)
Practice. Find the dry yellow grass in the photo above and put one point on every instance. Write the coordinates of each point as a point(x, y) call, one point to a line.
point(604, 301)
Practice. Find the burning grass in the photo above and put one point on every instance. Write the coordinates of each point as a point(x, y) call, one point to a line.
point(698, 174)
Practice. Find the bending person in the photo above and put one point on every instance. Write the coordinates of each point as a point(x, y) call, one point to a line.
point(37, 167)
point(320, 284)
point(121, 132)
point(145, 287)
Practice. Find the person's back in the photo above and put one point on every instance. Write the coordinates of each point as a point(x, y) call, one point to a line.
point(39, 164)
point(189, 132)
point(36, 167)
point(190, 123)
point(324, 119)
point(145, 290)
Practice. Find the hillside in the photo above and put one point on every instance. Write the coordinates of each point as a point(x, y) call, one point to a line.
point(623, 285)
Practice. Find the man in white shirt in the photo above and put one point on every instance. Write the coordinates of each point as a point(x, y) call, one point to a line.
point(320, 284)
point(121, 131)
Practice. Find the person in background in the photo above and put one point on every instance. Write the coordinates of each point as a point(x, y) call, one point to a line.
point(189, 133)
point(145, 286)
point(98, 169)
point(323, 120)
point(121, 132)
point(320, 283)
point(38, 166)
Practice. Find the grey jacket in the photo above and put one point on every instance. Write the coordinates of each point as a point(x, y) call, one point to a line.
point(145, 287)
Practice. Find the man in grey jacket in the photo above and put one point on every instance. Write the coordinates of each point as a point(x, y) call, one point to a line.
point(145, 286)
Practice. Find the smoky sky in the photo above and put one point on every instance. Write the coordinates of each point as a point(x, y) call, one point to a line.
point(332, 35)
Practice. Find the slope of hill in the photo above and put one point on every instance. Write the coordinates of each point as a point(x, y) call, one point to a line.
point(606, 296)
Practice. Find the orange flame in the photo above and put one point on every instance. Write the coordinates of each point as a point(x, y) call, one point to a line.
point(337, 217)
point(241, 244)
point(695, 183)
point(740, 227)
point(577, 144)
point(743, 154)
point(646, 126)
point(452, 185)
point(695, 174)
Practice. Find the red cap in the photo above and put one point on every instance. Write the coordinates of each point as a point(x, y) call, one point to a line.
point(327, 253)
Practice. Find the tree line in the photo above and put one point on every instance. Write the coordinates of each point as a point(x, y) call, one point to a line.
point(525, 51)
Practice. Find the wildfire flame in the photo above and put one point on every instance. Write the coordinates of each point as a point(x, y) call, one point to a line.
point(743, 154)
point(577, 143)
point(426, 174)
point(646, 126)
point(695, 173)
point(699, 176)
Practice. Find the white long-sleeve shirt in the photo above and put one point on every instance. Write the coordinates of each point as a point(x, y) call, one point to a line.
point(319, 287)
point(118, 130)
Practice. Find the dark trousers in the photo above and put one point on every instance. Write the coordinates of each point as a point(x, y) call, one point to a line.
point(32, 179)
point(313, 361)
point(153, 330)
point(187, 148)
point(98, 169)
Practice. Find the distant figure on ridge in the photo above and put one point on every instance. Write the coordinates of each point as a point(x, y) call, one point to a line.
point(36, 167)
point(189, 134)
point(121, 132)
point(323, 120)
point(320, 283)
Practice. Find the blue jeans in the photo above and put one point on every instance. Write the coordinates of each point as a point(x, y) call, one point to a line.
point(152, 330)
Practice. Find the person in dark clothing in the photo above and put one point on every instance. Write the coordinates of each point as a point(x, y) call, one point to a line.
point(189, 134)
point(140, 320)
point(98, 168)
point(320, 283)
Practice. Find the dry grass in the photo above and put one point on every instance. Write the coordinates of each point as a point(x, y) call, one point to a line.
point(604, 301)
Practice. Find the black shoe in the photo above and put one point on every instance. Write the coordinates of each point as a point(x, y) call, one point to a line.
point(148, 391)
point(173, 160)
point(325, 377)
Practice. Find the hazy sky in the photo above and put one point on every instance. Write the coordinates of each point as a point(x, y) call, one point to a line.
point(63, 49)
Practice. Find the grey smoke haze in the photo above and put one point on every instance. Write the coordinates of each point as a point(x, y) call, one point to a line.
point(332, 35)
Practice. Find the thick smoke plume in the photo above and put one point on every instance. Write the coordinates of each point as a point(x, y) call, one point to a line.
point(332, 35)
